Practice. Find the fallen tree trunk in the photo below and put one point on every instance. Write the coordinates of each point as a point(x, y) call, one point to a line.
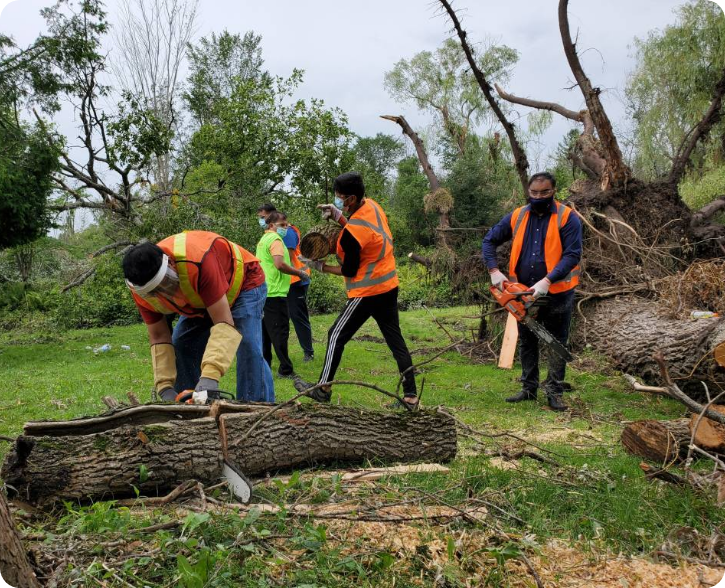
point(14, 566)
point(661, 442)
point(630, 331)
point(154, 448)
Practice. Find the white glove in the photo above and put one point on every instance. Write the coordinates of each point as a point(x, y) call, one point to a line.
point(317, 265)
point(497, 278)
point(541, 288)
point(330, 211)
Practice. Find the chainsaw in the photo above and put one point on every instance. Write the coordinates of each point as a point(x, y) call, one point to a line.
point(519, 301)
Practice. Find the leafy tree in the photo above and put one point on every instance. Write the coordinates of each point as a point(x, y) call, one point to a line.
point(565, 170)
point(673, 83)
point(412, 227)
point(441, 83)
point(27, 161)
point(376, 158)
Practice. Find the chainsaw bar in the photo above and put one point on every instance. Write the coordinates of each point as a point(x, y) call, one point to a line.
point(548, 339)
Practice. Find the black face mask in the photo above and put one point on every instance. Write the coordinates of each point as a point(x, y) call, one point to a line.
point(541, 205)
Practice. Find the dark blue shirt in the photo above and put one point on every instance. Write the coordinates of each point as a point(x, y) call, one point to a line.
point(291, 241)
point(531, 266)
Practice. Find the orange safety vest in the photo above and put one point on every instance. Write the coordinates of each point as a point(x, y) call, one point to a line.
point(552, 245)
point(377, 273)
point(188, 250)
point(294, 256)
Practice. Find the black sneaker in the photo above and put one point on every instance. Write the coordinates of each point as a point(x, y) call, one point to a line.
point(556, 403)
point(523, 395)
point(408, 403)
point(307, 358)
point(323, 394)
point(289, 376)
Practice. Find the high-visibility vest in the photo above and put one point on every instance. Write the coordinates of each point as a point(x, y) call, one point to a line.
point(377, 273)
point(552, 245)
point(294, 256)
point(188, 250)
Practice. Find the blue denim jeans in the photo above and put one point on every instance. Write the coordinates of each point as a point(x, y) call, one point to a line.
point(190, 336)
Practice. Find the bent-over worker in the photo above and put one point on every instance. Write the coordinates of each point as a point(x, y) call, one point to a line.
point(218, 288)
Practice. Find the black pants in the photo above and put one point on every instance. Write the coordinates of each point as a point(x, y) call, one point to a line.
point(297, 305)
point(384, 309)
point(276, 333)
point(555, 317)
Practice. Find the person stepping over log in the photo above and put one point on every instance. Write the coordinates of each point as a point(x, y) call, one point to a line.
point(218, 289)
point(367, 264)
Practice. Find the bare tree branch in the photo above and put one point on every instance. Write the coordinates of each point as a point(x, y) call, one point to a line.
point(419, 149)
point(700, 132)
point(520, 160)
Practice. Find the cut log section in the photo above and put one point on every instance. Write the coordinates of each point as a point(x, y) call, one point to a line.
point(154, 448)
point(660, 442)
point(631, 331)
point(709, 435)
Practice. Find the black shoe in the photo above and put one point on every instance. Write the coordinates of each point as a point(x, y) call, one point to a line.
point(309, 357)
point(289, 376)
point(556, 402)
point(523, 395)
point(323, 394)
point(410, 403)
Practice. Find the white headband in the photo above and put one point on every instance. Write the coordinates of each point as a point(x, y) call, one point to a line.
point(153, 282)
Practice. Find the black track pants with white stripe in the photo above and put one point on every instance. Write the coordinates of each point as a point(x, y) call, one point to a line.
point(383, 308)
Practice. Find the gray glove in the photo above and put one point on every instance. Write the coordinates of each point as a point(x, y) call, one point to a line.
point(497, 278)
point(168, 395)
point(206, 384)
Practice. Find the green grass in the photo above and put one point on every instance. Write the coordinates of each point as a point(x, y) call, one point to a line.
point(595, 497)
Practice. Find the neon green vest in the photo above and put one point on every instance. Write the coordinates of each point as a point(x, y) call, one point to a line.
point(277, 282)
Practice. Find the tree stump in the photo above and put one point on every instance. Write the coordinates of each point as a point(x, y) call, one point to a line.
point(658, 441)
point(154, 448)
point(14, 566)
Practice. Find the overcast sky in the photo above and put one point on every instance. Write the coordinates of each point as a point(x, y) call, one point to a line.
point(345, 46)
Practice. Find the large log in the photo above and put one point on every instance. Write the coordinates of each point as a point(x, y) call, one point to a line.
point(661, 442)
point(630, 331)
point(14, 566)
point(152, 449)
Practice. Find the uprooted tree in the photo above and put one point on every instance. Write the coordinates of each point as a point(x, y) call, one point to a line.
point(637, 233)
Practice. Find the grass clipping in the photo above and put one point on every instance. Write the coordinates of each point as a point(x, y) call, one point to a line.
point(700, 287)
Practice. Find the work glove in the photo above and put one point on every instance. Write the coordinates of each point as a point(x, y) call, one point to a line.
point(497, 278)
point(168, 395)
point(163, 361)
point(220, 350)
point(330, 211)
point(315, 265)
point(303, 275)
point(206, 384)
point(541, 288)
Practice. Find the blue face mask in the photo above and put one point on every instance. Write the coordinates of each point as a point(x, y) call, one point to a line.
point(339, 202)
point(282, 232)
point(262, 222)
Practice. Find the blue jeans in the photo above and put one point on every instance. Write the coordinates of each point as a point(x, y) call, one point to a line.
point(190, 336)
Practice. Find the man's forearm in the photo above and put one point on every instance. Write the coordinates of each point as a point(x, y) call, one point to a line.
point(332, 269)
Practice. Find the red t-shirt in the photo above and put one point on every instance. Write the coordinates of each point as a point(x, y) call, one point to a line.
point(215, 274)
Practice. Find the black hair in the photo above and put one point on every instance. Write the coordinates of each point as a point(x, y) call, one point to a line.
point(349, 184)
point(142, 262)
point(275, 217)
point(542, 176)
point(267, 208)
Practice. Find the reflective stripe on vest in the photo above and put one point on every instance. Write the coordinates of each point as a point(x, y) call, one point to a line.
point(522, 214)
point(367, 280)
point(182, 268)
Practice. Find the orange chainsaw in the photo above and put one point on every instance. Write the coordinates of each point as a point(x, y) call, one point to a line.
point(519, 301)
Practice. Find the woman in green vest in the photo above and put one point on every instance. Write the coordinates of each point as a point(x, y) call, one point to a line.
point(275, 261)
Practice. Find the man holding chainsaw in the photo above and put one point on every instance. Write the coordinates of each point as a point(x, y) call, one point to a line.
point(219, 290)
point(545, 255)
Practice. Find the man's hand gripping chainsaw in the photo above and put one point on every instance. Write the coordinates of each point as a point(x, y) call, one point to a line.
point(518, 299)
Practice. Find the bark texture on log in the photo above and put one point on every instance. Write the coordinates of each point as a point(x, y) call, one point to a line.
point(658, 441)
point(14, 566)
point(630, 331)
point(108, 464)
